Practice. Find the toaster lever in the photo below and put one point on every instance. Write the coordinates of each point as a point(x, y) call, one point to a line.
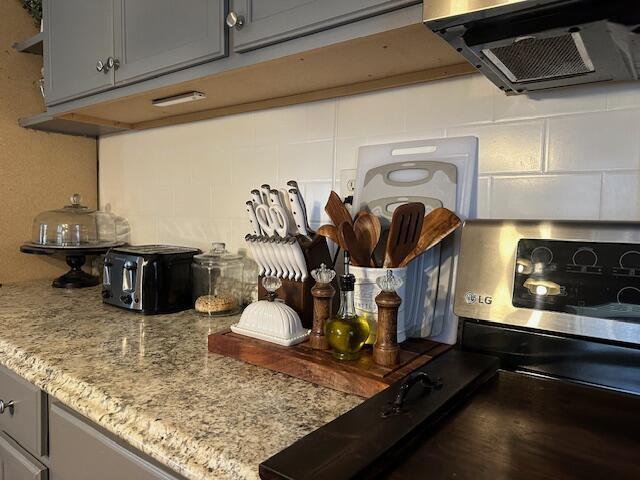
point(128, 276)
point(106, 273)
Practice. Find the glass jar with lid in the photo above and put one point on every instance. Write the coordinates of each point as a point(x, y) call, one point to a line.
point(217, 281)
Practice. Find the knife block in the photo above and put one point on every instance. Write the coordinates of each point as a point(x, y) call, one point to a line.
point(298, 294)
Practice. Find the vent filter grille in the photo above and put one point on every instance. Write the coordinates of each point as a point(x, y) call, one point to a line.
point(532, 59)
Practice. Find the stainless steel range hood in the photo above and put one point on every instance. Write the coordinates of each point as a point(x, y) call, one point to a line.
point(528, 45)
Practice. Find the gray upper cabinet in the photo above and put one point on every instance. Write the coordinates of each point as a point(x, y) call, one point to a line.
point(258, 23)
point(134, 40)
point(153, 37)
point(79, 34)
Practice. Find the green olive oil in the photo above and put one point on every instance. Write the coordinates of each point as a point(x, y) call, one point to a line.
point(347, 331)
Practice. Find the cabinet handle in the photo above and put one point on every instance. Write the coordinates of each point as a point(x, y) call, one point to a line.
point(100, 66)
point(235, 20)
point(7, 406)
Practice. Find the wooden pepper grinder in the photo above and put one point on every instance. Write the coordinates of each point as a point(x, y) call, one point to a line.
point(386, 351)
point(323, 293)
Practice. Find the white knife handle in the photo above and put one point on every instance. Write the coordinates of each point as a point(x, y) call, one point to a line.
point(298, 212)
point(264, 254)
point(265, 189)
point(256, 196)
point(294, 184)
point(261, 267)
point(302, 263)
point(296, 272)
point(274, 197)
point(253, 220)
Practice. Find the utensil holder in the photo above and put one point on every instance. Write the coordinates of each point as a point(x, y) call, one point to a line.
point(297, 294)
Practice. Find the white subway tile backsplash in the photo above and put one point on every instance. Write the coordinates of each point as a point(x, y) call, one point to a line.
point(510, 147)
point(563, 197)
point(443, 103)
point(548, 103)
point(188, 184)
point(621, 196)
point(306, 161)
point(372, 113)
point(598, 141)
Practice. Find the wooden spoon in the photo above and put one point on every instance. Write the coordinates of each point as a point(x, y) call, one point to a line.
point(358, 251)
point(439, 223)
point(406, 225)
point(331, 232)
point(336, 210)
point(368, 230)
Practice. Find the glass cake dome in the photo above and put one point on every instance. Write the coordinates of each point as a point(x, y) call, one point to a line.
point(74, 226)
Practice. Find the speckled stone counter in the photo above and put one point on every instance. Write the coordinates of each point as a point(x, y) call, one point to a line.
point(151, 381)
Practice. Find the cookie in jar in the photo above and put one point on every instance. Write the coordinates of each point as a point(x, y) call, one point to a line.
point(217, 282)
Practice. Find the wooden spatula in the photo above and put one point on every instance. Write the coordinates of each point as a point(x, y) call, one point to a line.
point(358, 251)
point(331, 232)
point(336, 210)
point(367, 228)
point(439, 223)
point(404, 233)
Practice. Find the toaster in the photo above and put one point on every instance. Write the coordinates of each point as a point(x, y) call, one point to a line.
point(148, 278)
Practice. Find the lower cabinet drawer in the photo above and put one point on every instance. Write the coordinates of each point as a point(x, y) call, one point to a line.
point(79, 451)
point(17, 464)
point(24, 412)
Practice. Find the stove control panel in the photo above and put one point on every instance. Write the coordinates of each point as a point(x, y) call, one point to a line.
point(589, 279)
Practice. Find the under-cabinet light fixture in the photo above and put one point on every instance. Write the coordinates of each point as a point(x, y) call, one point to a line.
point(176, 99)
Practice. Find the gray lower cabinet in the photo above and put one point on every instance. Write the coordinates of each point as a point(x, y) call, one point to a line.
point(79, 451)
point(267, 22)
point(79, 34)
point(23, 414)
point(157, 36)
point(17, 464)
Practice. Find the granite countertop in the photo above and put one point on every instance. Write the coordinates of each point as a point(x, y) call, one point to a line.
point(151, 381)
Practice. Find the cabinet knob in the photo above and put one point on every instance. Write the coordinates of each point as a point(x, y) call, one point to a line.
point(7, 406)
point(235, 20)
point(100, 66)
point(113, 63)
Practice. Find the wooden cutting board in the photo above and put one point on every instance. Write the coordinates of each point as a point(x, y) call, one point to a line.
point(360, 377)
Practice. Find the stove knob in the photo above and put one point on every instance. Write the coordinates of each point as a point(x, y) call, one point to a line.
point(630, 259)
point(541, 255)
point(585, 257)
point(629, 295)
point(126, 299)
point(106, 294)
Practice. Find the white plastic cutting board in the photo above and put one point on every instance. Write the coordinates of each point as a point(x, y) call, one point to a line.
point(402, 170)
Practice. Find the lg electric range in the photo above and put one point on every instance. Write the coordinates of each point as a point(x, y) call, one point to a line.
point(543, 384)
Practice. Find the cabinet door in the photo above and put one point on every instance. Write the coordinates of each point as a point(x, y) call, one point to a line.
point(278, 20)
point(16, 464)
point(78, 451)
point(157, 36)
point(79, 34)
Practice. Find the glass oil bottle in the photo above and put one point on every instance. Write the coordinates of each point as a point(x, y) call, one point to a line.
point(347, 331)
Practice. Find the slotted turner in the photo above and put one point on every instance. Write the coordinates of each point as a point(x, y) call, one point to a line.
point(436, 226)
point(404, 233)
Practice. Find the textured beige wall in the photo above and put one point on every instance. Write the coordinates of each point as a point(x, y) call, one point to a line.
point(38, 171)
